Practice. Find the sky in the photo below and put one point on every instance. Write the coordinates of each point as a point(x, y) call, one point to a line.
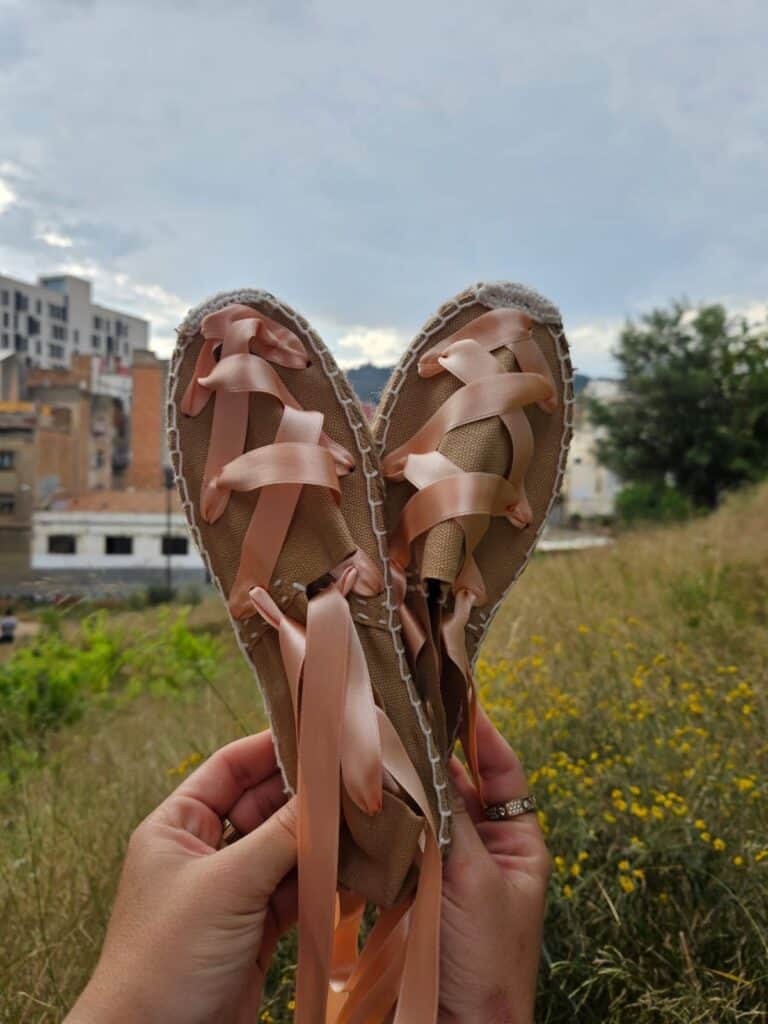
point(365, 162)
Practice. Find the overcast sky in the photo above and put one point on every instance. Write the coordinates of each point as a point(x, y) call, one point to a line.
point(367, 161)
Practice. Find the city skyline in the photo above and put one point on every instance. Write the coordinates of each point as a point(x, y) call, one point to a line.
point(365, 168)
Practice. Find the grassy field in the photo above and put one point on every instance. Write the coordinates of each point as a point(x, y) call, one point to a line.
point(632, 681)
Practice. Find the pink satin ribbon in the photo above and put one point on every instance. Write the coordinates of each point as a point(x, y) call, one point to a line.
point(350, 740)
point(498, 328)
point(254, 332)
point(345, 739)
point(445, 492)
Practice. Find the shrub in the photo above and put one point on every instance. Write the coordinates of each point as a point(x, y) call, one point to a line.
point(646, 502)
point(50, 682)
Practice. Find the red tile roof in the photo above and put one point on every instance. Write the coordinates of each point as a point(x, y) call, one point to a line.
point(122, 501)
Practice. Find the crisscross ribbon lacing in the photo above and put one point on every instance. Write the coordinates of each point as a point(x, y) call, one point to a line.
point(446, 492)
point(343, 737)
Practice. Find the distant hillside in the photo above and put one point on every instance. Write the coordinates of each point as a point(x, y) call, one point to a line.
point(369, 380)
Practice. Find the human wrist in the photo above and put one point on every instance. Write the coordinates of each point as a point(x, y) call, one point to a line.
point(103, 1000)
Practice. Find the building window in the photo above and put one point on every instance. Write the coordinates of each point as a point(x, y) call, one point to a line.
point(4, 297)
point(59, 333)
point(6, 341)
point(175, 545)
point(21, 302)
point(21, 343)
point(95, 342)
point(62, 544)
point(97, 322)
point(7, 504)
point(6, 319)
point(7, 459)
point(38, 307)
point(77, 336)
point(118, 545)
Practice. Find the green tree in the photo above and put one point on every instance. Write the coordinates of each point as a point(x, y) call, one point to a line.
point(694, 408)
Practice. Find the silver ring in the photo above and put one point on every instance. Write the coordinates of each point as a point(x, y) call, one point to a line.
point(511, 809)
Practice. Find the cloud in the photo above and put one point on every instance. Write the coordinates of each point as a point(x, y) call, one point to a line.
point(381, 346)
point(162, 308)
point(54, 239)
point(592, 345)
point(7, 196)
point(388, 170)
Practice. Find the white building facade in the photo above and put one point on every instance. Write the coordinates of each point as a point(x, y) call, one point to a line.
point(589, 489)
point(49, 322)
point(130, 546)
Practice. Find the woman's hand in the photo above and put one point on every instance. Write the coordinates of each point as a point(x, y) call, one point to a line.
point(494, 887)
point(193, 926)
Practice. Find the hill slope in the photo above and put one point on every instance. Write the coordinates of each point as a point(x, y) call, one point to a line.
point(631, 681)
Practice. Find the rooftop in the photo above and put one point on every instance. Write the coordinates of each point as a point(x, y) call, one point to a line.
point(130, 501)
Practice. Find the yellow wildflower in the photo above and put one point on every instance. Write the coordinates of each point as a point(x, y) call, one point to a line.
point(719, 844)
point(626, 883)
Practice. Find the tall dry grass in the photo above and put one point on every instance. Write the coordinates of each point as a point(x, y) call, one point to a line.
point(632, 683)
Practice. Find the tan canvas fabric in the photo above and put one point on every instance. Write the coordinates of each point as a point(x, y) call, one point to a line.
point(376, 853)
point(410, 400)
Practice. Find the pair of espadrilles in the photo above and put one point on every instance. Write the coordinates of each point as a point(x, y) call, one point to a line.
point(361, 566)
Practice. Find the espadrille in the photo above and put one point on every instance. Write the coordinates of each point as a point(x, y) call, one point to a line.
point(278, 475)
point(472, 430)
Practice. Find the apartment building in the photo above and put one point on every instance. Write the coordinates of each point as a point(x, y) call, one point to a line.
point(54, 320)
point(589, 488)
point(38, 456)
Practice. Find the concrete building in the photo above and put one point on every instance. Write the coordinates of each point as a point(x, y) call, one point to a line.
point(99, 423)
point(37, 457)
point(54, 320)
point(115, 537)
point(11, 377)
point(589, 489)
point(148, 449)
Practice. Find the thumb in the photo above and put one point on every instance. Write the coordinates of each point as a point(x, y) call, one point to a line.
point(466, 844)
point(262, 858)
